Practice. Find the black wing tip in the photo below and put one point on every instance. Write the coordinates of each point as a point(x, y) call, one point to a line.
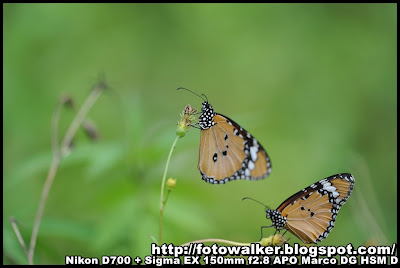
point(211, 180)
point(346, 176)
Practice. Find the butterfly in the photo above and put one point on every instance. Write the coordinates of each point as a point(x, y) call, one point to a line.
point(310, 214)
point(227, 151)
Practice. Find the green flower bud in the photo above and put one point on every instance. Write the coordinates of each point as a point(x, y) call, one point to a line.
point(171, 183)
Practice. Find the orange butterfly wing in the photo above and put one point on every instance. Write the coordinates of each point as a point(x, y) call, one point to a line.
point(228, 152)
point(311, 213)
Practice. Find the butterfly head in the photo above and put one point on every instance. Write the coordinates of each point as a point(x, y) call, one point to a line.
point(268, 212)
point(206, 119)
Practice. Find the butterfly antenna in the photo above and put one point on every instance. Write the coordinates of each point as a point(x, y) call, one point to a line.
point(194, 93)
point(254, 201)
point(205, 97)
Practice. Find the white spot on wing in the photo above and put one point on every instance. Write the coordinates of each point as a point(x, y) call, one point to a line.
point(335, 194)
point(253, 153)
point(328, 187)
point(251, 165)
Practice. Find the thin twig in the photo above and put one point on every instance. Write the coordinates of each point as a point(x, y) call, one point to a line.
point(54, 128)
point(19, 236)
point(166, 198)
point(91, 99)
point(53, 167)
point(46, 188)
point(96, 92)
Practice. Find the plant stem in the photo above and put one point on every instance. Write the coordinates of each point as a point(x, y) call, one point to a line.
point(166, 198)
point(57, 156)
point(80, 116)
point(19, 236)
point(162, 189)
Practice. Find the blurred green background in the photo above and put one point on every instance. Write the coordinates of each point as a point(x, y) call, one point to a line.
point(314, 83)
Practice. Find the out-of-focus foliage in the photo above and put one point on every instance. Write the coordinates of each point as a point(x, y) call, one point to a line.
point(314, 83)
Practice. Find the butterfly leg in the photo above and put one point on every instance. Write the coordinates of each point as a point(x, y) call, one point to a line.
point(196, 125)
point(276, 231)
point(286, 241)
point(262, 227)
